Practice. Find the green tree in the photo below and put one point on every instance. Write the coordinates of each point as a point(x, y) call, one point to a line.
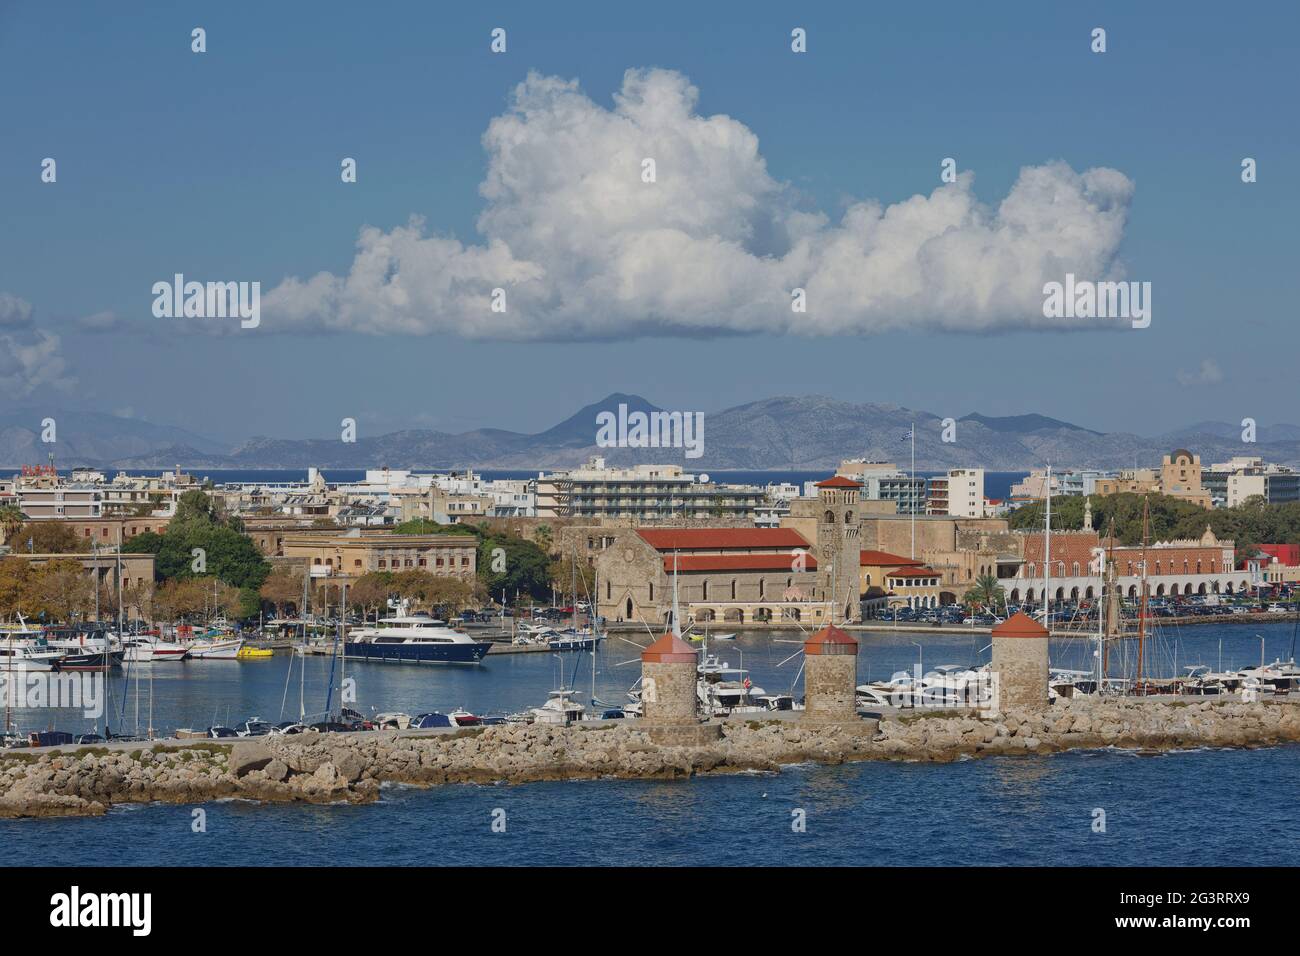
point(986, 592)
point(11, 520)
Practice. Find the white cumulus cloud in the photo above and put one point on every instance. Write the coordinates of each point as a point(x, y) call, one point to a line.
point(29, 357)
point(585, 249)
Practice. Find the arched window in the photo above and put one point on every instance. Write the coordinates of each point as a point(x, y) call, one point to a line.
point(762, 591)
point(848, 517)
point(706, 589)
point(733, 589)
point(829, 517)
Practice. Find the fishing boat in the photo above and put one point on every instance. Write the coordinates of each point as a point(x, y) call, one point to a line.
point(414, 639)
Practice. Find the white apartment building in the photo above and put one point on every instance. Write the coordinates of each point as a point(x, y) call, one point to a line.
point(966, 493)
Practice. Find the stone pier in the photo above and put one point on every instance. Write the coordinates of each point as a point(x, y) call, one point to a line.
point(830, 676)
point(1020, 663)
point(668, 694)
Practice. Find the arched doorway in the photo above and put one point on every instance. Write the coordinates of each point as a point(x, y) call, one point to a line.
point(628, 617)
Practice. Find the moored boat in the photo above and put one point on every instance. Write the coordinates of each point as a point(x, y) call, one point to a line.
point(414, 639)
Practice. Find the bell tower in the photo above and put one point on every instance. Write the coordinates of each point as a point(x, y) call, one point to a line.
point(839, 544)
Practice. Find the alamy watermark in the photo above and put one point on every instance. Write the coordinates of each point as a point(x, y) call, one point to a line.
point(65, 691)
point(651, 430)
point(209, 300)
point(1085, 299)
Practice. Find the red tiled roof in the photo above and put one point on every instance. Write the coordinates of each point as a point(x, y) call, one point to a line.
point(913, 573)
point(1020, 624)
point(721, 539)
point(778, 561)
point(830, 640)
point(839, 481)
point(883, 559)
point(1067, 546)
point(669, 649)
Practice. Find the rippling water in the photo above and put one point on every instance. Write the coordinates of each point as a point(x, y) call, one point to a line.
point(1177, 809)
point(201, 693)
point(1194, 808)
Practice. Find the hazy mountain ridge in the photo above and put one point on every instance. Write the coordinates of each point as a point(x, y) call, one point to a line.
point(785, 432)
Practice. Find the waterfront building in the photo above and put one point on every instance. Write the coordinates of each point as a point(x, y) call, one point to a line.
point(339, 558)
point(1174, 568)
point(647, 494)
point(137, 570)
point(732, 576)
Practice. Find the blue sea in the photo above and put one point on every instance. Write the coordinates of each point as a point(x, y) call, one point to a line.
point(1190, 808)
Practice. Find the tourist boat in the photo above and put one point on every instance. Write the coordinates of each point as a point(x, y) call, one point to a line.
point(144, 649)
point(29, 654)
point(254, 653)
point(211, 650)
point(560, 708)
point(414, 639)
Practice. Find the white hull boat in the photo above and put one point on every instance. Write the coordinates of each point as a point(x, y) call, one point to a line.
point(215, 650)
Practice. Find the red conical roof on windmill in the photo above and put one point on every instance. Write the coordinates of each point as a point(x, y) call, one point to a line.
point(669, 649)
point(1020, 624)
point(831, 640)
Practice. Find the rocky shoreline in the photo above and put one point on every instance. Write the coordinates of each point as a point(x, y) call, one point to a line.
point(329, 768)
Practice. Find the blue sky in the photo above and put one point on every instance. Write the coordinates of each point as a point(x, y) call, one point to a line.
point(225, 166)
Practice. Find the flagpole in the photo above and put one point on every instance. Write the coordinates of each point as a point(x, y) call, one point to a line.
point(912, 492)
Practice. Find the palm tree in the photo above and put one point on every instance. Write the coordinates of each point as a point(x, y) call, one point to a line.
point(11, 519)
point(986, 592)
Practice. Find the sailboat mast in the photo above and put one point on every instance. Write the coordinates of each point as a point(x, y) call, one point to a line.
point(1047, 554)
point(1142, 608)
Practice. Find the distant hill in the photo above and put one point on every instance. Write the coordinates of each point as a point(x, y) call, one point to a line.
point(1022, 424)
point(88, 438)
point(810, 432)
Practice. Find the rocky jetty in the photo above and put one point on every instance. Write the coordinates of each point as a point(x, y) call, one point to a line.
point(328, 768)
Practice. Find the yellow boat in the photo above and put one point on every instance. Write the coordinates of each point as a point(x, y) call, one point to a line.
point(247, 653)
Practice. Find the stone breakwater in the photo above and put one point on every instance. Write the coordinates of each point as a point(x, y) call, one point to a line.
point(329, 768)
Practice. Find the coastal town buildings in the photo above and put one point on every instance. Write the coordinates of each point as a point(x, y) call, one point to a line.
point(645, 494)
point(732, 576)
point(1079, 558)
point(341, 558)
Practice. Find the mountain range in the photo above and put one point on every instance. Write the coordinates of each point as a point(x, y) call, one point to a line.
point(786, 433)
